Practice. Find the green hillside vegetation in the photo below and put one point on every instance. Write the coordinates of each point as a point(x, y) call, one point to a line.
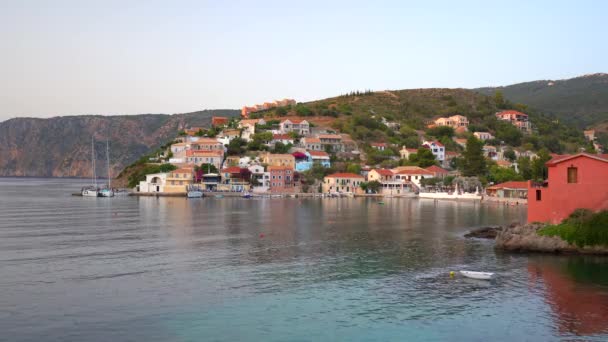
point(582, 228)
point(360, 115)
point(580, 101)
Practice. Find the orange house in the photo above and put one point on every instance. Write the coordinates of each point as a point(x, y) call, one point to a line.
point(219, 121)
point(575, 181)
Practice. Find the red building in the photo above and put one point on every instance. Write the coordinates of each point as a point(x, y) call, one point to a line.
point(575, 181)
point(219, 121)
point(283, 179)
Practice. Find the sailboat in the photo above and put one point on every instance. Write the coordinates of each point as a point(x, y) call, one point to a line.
point(107, 192)
point(91, 190)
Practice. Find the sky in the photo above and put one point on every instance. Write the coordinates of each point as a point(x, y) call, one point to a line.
point(69, 57)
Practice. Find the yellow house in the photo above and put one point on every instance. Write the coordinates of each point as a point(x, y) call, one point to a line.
point(343, 182)
point(279, 160)
point(179, 180)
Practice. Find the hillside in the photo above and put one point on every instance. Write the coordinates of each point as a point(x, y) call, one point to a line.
point(580, 101)
point(412, 109)
point(61, 146)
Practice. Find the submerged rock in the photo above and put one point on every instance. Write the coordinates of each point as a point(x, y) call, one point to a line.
point(484, 233)
point(524, 238)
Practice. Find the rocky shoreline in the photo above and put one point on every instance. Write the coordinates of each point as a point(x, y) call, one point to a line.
point(524, 238)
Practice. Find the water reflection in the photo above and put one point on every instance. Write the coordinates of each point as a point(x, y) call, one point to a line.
point(576, 289)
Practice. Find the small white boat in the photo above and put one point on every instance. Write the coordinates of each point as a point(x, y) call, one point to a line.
point(89, 192)
point(195, 194)
point(477, 275)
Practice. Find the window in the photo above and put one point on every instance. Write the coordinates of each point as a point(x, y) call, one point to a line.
point(538, 195)
point(572, 174)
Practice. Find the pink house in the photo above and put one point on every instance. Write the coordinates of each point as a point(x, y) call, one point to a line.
point(574, 181)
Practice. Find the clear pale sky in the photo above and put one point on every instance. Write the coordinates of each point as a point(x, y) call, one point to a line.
point(67, 57)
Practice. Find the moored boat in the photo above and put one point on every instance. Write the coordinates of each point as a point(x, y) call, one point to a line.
point(89, 191)
point(477, 275)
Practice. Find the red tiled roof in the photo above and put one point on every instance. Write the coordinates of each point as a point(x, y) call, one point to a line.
point(295, 121)
point(232, 169)
point(384, 172)
point(379, 144)
point(318, 154)
point(344, 175)
point(312, 140)
point(436, 169)
point(511, 112)
point(278, 168)
point(329, 136)
point(190, 153)
point(509, 185)
point(415, 172)
point(556, 160)
point(281, 137)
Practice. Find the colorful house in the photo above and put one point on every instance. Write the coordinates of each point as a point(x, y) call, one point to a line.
point(219, 121)
point(235, 179)
point(177, 181)
point(342, 183)
point(511, 189)
point(574, 181)
point(283, 179)
point(302, 127)
point(272, 159)
point(320, 157)
point(517, 119)
point(198, 157)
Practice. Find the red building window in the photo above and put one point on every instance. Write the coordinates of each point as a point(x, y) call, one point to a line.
point(538, 195)
point(572, 175)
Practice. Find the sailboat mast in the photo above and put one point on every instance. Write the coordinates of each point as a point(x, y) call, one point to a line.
point(108, 161)
point(93, 162)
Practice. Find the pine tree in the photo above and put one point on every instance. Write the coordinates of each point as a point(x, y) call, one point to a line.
point(473, 161)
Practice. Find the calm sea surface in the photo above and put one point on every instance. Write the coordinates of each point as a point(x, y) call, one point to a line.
point(172, 269)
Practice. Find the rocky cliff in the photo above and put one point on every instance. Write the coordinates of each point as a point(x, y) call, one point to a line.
point(61, 146)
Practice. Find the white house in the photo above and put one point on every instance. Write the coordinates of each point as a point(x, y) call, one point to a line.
point(302, 127)
point(248, 127)
point(262, 177)
point(437, 149)
point(483, 136)
point(282, 138)
point(154, 183)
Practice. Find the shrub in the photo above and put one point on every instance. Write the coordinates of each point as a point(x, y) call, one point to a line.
point(582, 228)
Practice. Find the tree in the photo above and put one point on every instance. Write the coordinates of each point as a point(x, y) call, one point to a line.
point(525, 167)
point(473, 161)
point(235, 147)
point(508, 133)
point(503, 174)
point(206, 168)
point(441, 131)
point(279, 147)
point(281, 111)
point(499, 99)
point(423, 157)
point(510, 155)
point(539, 169)
point(372, 186)
point(353, 168)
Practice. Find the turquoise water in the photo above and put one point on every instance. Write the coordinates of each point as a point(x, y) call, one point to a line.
point(172, 269)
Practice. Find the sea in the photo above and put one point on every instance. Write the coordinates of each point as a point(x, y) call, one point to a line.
point(278, 269)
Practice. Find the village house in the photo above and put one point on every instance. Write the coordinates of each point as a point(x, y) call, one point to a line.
point(207, 144)
point(179, 151)
point(460, 142)
point(260, 179)
point(303, 161)
point(412, 174)
point(178, 181)
point(504, 163)
point(248, 127)
point(574, 181)
point(198, 157)
point(589, 134)
point(517, 119)
point(483, 136)
point(320, 157)
point(379, 146)
point(284, 139)
point(234, 179)
point(302, 127)
point(455, 121)
point(272, 159)
point(155, 182)
point(218, 121)
point(342, 183)
point(282, 179)
point(311, 144)
point(437, 149)
point(334, 141)
point(390, 185)
point(227, 135)
point(510, 189)
point(437, 171)
point(406, 152)
point(247, 110)
point(490, 152)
